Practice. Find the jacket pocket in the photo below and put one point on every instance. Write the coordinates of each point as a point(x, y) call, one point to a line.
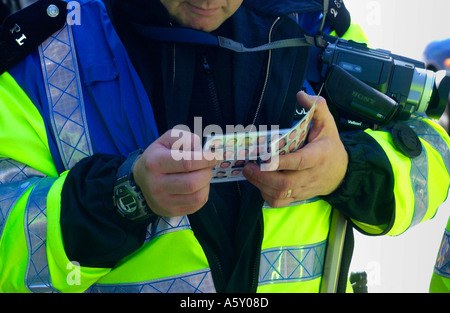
point(100, 73)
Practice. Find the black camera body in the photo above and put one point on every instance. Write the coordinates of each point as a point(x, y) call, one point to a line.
point(373, 86)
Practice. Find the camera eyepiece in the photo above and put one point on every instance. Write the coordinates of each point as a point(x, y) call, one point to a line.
point(440, 95)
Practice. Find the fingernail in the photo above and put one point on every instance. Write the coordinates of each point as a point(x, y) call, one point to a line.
point(305, 95)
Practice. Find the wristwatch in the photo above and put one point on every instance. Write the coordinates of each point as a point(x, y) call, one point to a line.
point(128, 197)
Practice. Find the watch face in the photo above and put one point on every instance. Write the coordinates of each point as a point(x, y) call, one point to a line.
point(125, 201)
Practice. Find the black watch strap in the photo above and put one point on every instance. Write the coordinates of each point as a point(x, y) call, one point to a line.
point(127, 167)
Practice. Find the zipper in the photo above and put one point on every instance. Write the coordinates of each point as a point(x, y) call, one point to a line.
point(215, 260)
point(220, 279)
point(174, 62)
point(215, 263)
point(256, 263)
point(217, 112)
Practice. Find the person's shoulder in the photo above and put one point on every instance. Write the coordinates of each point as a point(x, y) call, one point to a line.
point(23, 31)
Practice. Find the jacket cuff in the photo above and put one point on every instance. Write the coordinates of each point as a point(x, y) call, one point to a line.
point(367, 191)
point(94, 233)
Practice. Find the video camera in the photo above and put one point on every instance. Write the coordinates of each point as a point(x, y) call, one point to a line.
point(371, 87)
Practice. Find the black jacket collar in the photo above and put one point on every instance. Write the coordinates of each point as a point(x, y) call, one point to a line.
point(145, 12)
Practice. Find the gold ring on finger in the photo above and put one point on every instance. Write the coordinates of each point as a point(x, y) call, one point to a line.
point(288, 194)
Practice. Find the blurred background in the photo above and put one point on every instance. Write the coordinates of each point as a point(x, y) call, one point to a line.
point(404, 263)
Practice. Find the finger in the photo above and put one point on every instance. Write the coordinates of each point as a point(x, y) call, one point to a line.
point(178, 151)
point(189, 204)
point(307, 101)
point(290, 185)
point(321, 113)
point(179, 205)
point(178, 138)
point(165, 161)
point(185, 183)
point(299, 160)
point(276, 203)
point(273, 183)
point(188, 144)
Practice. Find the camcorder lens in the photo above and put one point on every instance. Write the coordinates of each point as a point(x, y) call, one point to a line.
point(410, 86)
point(440, 95)
point(421, 89)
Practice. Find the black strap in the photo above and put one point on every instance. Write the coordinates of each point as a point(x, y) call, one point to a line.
point(4, 11)
point(25, 30)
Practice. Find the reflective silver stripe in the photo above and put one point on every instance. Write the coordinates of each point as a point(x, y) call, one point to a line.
point(267, 207)
point(65, 97)
point(292, 264)
point(37, 278)
point(13, 171)
point(419, 165)
point(442, 267)
point(419, 178)
point(195, 282)
point(426, 132)
point(164, 226)
point(9, 194)
point(15, 179)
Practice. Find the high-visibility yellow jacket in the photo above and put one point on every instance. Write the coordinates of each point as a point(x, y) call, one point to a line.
point(440, 280)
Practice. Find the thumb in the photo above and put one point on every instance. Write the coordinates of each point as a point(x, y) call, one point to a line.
point(186, 145)
point(306, 101)
point(180, 139)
